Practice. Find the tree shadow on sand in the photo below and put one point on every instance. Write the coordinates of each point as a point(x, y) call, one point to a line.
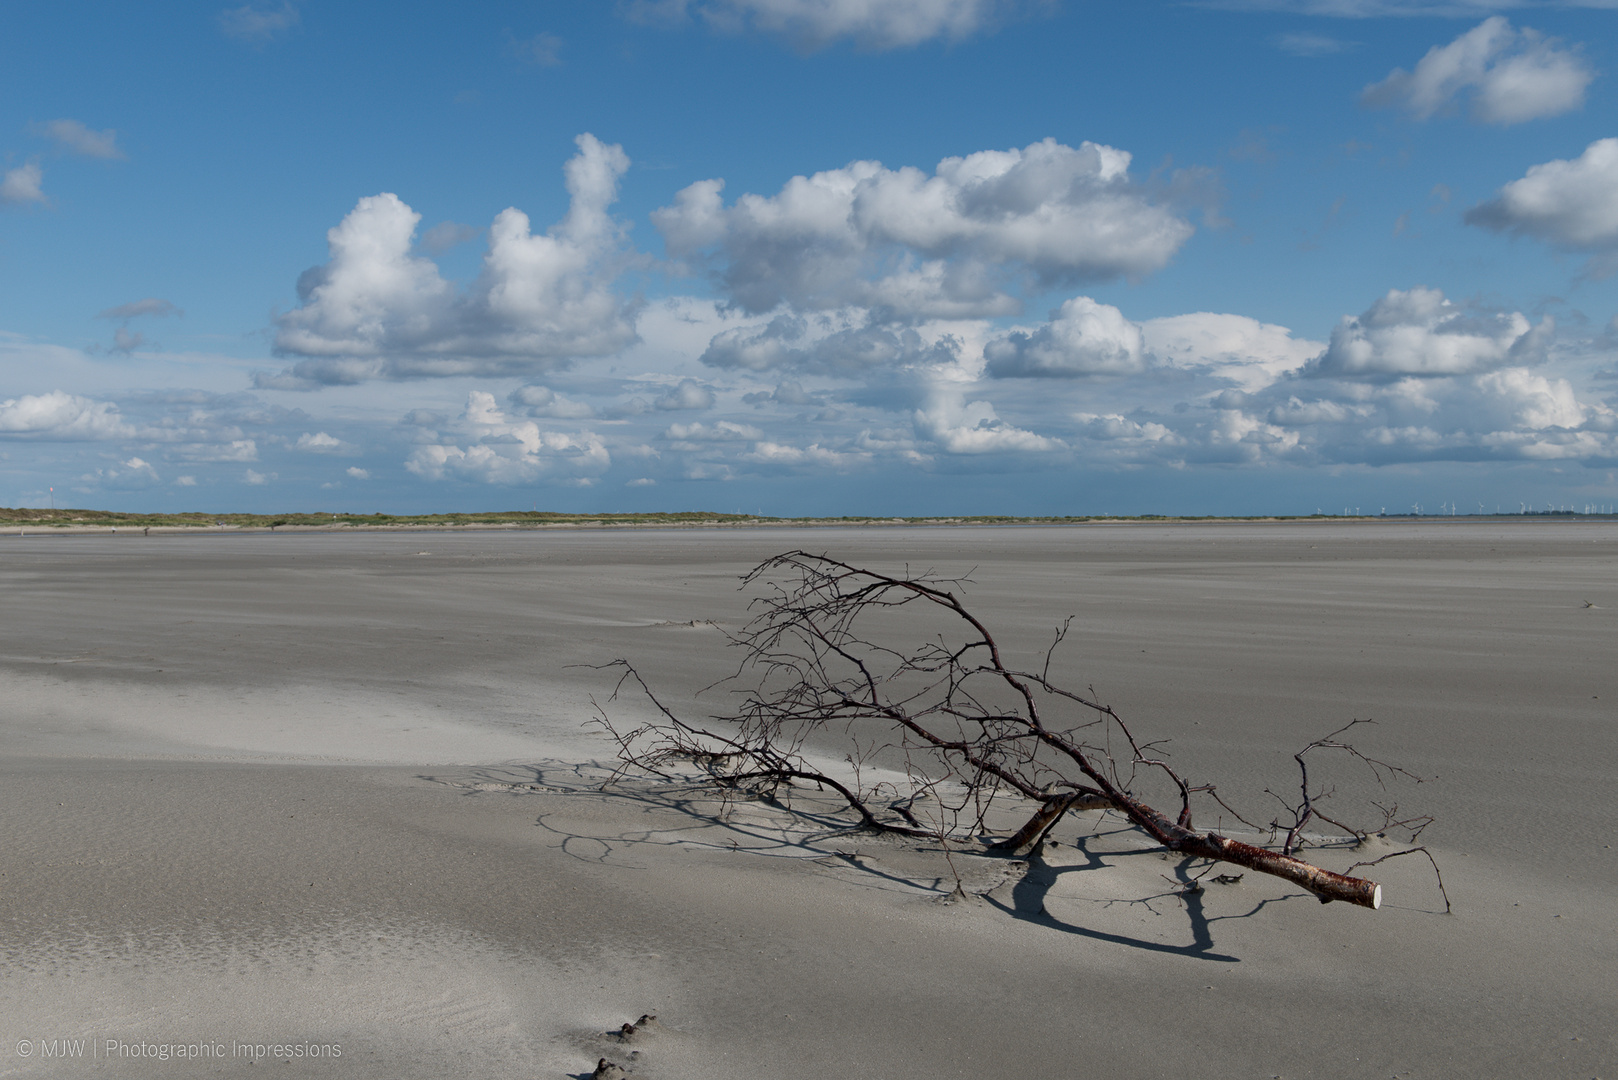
point(1027, 902)
point(800, 828)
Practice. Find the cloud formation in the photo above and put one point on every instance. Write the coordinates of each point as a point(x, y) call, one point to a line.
point(541, 50)
point(1306, 44)
point(446, 235)
point(1082, 338)
point(1239, 348)
point(958, 426)
point(1420, 332)
point(1415, 378)
point(256, 23)
point(319, 443)
point(1512, 413)
point(502, 450)
point(152, 305)
point(134, 473)
point(123, 340)
point(536, 400)
point(911, 245)
point(814, 24)
point(58, 415)
point(719, 431)
point(1504, 415)
point(1568, 204)
point(786, 344)
point(126, 342)
point(1378, 9)
point(75, 138)
point(376, 310)
point(1086, 338)
point(23, 185)
point(688, 394)
point(1512, 76)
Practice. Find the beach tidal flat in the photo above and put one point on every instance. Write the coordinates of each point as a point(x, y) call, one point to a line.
point(338, 791)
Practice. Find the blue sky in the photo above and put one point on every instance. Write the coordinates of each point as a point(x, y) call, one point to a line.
point(810, 256)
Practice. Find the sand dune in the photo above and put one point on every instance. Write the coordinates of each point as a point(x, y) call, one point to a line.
point(332, 791)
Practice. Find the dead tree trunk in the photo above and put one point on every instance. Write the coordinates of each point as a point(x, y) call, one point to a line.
point(960, 728)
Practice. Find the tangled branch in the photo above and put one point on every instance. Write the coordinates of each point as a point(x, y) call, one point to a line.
point(936, 735)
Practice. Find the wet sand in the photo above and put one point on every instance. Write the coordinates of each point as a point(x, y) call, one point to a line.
point(337, 790)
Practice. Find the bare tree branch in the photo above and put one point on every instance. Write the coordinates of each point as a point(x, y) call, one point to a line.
point(950, 725)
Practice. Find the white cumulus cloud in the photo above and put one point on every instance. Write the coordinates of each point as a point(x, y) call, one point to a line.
point(1569, 204)
point(59, 415)
point(1512, 76)
point(503, 450)
point(959, 426)
point(1509, 413)
point(1420, 332)
point(1240, 348)
point(376, 310)
point(814, 457)
point(1085, 338)
point(319, 443)
point(1415, 378)
point(1081, 338)
point(915, 244)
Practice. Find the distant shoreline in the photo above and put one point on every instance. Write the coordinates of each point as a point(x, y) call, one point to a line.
point(28, 522)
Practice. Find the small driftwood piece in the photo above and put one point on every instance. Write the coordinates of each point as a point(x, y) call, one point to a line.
point(947, 726)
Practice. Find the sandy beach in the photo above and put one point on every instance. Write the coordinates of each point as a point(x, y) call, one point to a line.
point(312, 791)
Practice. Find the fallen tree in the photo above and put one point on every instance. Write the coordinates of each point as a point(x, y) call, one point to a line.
point(949, 730)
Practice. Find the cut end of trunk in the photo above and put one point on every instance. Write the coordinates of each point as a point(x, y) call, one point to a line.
point(1325, 884)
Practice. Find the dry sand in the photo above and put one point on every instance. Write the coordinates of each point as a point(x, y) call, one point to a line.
point(333, 790)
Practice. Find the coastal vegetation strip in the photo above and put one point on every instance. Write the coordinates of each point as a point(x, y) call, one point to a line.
point(326, 519)
point(101, 519)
